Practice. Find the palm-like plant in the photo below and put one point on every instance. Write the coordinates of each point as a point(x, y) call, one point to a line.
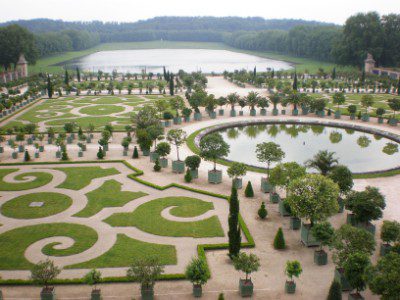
point(275, 99)
point(232, 99)
point(323, 161)
point(252, 100)
point(294, 98)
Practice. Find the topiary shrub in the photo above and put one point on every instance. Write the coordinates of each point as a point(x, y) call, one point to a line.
point(221, 296)
point(27, 157)
point(135, 153)
point(64, 155)
point(279, 240)
point(157, 166)
point(100, 153)
point(249, 193)
point(262, 212)
point(335, 291)
point(188, 176)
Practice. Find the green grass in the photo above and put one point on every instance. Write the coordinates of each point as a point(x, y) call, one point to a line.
point(126, 250)
point(53, 203)
point(101, 110)
point(147, 217)
point(108, 195)
point(16, 241)
point(41, 179)
point(79, 177)
point(46, 64)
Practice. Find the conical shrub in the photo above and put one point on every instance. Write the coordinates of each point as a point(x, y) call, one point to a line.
point(135, 153)
point(335, 291)
point(279, 240)
point(249, 193)
point(262, 212)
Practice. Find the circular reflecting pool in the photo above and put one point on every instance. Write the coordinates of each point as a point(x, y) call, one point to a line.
point(361, 152)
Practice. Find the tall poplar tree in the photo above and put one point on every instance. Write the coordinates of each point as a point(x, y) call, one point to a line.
point(78, 74)
point(234, 227)
point(295, 81)
point(171, 84)
point(66, 77)
point(49, 87)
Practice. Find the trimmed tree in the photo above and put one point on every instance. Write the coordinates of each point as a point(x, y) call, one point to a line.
point(262, 212)
point(390, 233)
point(324, 161)
point(279, 240)
point(386, 277)
point(43, 273)
point(176, 137)
point(135, 153)
point(247, 263)
point(293, 269)
point(323, 233)
point(233, 222)
point(235, 171)
point(355, 270)
point(284, 173)
point(248, 192)
point(198, 273)
point(213, 147)
point(269, 152)
point(93, 278)
point(335, 291)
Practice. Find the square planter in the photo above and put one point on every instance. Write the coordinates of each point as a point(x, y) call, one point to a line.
point(306, 236)
point(213, 115)
point(221, 112)
point(352, 116)
point(167, 123)
point(355, 296)
point(266, 187)
point(21, 148)
point(393, 122)
point(338, 114)
point(197, 116)
point(36, 154)
point(368, 227)
point(147, 294)
point(385, 249)
point(290, 287)
point(253, 112)
point(10, 142)
point(154, 156)
point(48, 294)
point(194, 173)
point(295, 112)
point(178, 120)
point(365, 117)
point(320, 257)
point(146, 152)
point(350, 219)
point(380, 120)
point(246, 288)
point(58, 154)
point(95, 295)
point(263, 112)
point(305, 111)
point(1, 149)
point(163, 162)
point(187, 119)
point(105, 147)
point(274, 197)
point(241, 113)
point(282, 209)
point(341, 205)
point(237, 183)
point(50, 141)
point(72, 135)
point(232, 113)
point(295, 223)
point(339, 276)
point(80, 154)
point(14, 155)
point(197, 291)
point(321, 113)
point(29, 141)
point(275, 112)
point(178, 166)
point(215, 176)
point(41, 148)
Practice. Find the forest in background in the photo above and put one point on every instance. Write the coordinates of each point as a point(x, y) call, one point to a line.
point(345, 45)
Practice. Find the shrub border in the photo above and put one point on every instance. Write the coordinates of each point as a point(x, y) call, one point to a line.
point(201, 248)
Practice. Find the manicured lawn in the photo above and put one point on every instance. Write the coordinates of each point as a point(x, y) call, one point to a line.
point(147, 217)
point(41, 179)
point(126, 250)
point(79, 177)
point(101, 110)
point(108, 195)
point(16, 241)
point(53, 203)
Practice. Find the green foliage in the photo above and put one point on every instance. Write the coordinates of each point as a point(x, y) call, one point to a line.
point(352, 109)
point(262, 211)
point(343, 177)
point(390, 231)
point(44, 271)
point(100, 153)
point(355, 270)
point(233, 222)
point(192, 162)
point(221, 296)
point(64, 155)
point(323, 161)
point(347, 240)
point(163, 149)
point(197, 271)
point(157, 166)
point(248, 192)
point(213, 147)
point(93, 277)
point(188, 176)
point(269, 152)
point(313, 197)
point(146, 117)
point(335, 291)
point(279, 240)
point(323, 233)
point(135, 153)
point(293, 268)
point(27, 157)
point(247, 263)
point(237, 170)
point(176, 137)
point(386, 277)
point(146, 271)
point(366, 205)
point(285, 173)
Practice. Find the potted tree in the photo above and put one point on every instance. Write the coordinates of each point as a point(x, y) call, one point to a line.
point(252, 100)
point(319, 106)
point(293, 268)
point(235, 171)
point(221, 102)
point(155, 133)
point(366, 102)
point(233, 99)
point(144, 140)
point(355, 270)
point(390, 233)
point(352, 109)
point(93, 278)
point(162, 150)
point(167, 116)
point(314, 198)
point(186, 112)
point(196, 100)
point(380, 112)
point(213, 147)
point(263, 103)
point(43, 273)
point(344, 179)
point(275, 99)
point(146, 271)
point(365, 206)
point(198, 273)
point(394, 104)
point(323, 233)
point(247, 263)
point(177, 104)
point(386, 276)
point(210, 103)
point(193, 162)
point(20, 137)
point(338, 98)
point(177, 137)
point(242, 104)
point(268, 152)
point(347, 240)
point(125, 144)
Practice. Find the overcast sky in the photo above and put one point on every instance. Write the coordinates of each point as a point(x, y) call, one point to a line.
point(336, 11)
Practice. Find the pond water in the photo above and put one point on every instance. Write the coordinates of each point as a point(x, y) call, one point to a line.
point(361, 152)
point(189, 60)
